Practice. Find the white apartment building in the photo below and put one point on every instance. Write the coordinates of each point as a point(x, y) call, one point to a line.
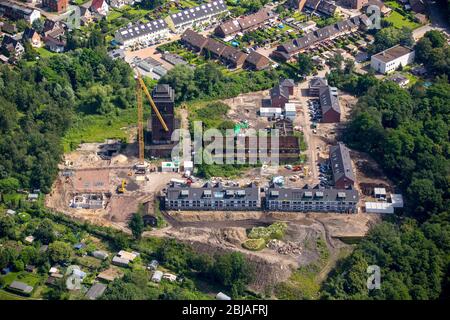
point(391, 59)
point(205, 14)
point(142, 33)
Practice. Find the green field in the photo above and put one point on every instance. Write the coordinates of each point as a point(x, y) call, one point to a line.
point(44, 53)
point(400, 21)
point(97, 128)
point(10, 296)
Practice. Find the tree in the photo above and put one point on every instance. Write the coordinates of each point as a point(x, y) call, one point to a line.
point(233, 271)
point(7, 227)
point(38, 25)
point(9, 185)
point(136, 225)
point(336, 62)
point(59, 251)
point(305, 64)
point(45, 232)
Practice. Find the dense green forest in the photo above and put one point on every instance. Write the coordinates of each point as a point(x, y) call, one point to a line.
point(209, 82)
point(407, 132)
point(39, 101)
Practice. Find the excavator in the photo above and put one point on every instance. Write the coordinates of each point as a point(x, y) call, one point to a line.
point(140, 86)
point(121, 188)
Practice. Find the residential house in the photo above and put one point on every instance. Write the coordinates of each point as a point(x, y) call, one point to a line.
point(399, 79)
point(55, 5)
point(169, 276)
point(297, 4)
point(329, 104)
point(96, 291)
point(14, 11)
point(289, 84)
point(20, 287)
point(327, 8)
point(315, 84)
point(341, 165)
point(100, 7)
point(14, 50)
point(287, 50)
point(256, 61)
point(279, 96)
point(391, 59)
point(246, 23)
point(8, 28)
point(56, 40)
point(99, 254)
point(212, 197)
point(233, 58)
point(193, 40)
point(197, 17)
point(311, 200)
point(33, 37)
point(86, 16)
point(143, 34)
point(213, 49)
point(157, 276)
point(123, 258)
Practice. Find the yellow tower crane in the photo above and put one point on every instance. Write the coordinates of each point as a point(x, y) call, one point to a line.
point(140, 86)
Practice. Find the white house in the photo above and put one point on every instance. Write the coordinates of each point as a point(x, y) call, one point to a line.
point(391, 59)
point(100, 7)
point(143, 33)
point(197, 17)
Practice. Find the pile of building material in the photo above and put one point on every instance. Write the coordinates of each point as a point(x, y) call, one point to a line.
point(284, 247)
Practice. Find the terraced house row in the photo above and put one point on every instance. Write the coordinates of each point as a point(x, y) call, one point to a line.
point(232, 57)
point(153, 31)
point(291, 48)
point(220, 197)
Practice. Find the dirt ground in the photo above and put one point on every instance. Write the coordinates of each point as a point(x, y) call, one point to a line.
point(215, 232)
point(91, 174)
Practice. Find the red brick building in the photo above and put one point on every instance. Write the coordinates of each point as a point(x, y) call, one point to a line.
point(56, 5)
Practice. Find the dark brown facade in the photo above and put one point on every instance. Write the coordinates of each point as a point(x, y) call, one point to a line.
point(164, 97)
point(56, 5)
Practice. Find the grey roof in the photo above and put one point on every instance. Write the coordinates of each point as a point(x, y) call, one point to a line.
point(216, 192)
point(287, 83)
point(142, 29)
point(279, 91)
point(173, 58)
point(341, 163)
point(328, 100)
point(96, 291)
point(163, 93)
point(204, 10)
point(277, 193)
point(20, 286)
point(392, 53)
point(321, 34)
point(327, 7)
point(16, 7)
point(318, 82)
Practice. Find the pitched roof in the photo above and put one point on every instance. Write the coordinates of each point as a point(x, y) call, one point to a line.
point(28, 33)
point(233, 54)
point(142, 29)
point(20, 286)
point(96, 291)
point(328, 100)
point(254, 19)
point(318, 82)
point(278, 91)
point(193, 38)
point(287, 83)
point(214, 46)
point(341, 163)
point(204, 10)
point(256, 59)
point(96, 4)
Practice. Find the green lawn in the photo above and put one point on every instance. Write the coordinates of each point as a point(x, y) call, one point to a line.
point(10, 296)
point(97, 128)
point(400, 21)
point(44, 52)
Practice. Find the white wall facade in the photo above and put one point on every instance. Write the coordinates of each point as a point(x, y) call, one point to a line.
point(390, 66)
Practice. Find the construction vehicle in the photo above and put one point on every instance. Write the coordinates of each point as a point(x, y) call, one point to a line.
point(121, 188)
point(140, 86)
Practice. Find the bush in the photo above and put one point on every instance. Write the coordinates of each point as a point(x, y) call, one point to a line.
point(254, 244)
point(274, 231)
